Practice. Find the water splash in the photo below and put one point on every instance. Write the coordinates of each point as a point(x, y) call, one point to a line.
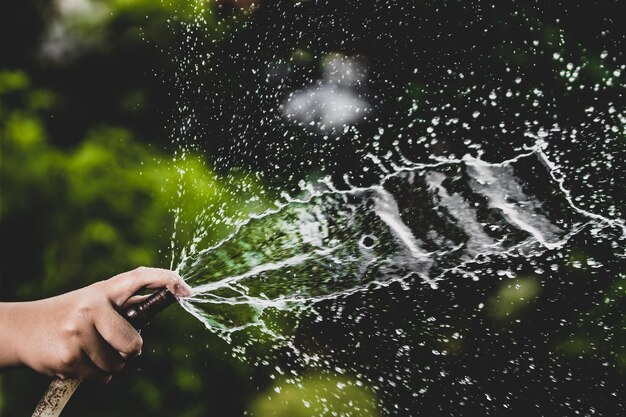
point(525, 256)
point(420, 221)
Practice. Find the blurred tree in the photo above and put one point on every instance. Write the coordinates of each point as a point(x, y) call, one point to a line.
point(108, 203)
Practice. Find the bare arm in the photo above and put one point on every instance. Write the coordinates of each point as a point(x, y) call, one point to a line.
point(80, 333)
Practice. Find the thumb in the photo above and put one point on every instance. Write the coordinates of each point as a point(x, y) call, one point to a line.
point(123, 286)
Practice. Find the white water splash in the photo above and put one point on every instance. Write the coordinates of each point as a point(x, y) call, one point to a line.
point(336, 242)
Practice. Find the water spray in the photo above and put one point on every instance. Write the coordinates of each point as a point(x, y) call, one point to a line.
point(139, 315)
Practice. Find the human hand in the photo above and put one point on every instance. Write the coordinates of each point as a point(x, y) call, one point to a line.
point(80, 334)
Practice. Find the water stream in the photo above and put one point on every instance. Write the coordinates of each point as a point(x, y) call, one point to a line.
point(420, 221)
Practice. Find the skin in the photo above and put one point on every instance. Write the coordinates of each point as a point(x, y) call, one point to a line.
point(80, 334)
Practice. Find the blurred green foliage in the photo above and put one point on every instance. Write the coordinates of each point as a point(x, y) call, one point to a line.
point(317, 395)
point(594, 336)
point(512, 297)
point(110, 198)
point(102, 207)
point(85, 193)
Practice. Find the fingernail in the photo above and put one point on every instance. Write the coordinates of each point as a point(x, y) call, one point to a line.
point(185, 289)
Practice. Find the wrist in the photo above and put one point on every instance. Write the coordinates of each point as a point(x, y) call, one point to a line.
point(10, 325)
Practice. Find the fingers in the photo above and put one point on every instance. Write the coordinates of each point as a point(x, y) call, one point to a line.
point(107, 341)
point(121, 287)
point(96, 337)
point(78, 365)
point(86, 369)
point(118, 333)
point(102, 355)
point(133, 300)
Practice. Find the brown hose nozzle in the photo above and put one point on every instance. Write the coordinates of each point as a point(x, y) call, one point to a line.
point(140, 314)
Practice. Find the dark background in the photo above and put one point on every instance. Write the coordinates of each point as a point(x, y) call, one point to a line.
point(91, 127)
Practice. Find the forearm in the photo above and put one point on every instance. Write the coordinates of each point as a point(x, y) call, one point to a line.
point(10, 323)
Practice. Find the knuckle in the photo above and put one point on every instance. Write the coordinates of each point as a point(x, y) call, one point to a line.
point(81, 313)
point(72, 329)
point(84, 309)
point(98, 286)
point(67, 359)
point(140, 270)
